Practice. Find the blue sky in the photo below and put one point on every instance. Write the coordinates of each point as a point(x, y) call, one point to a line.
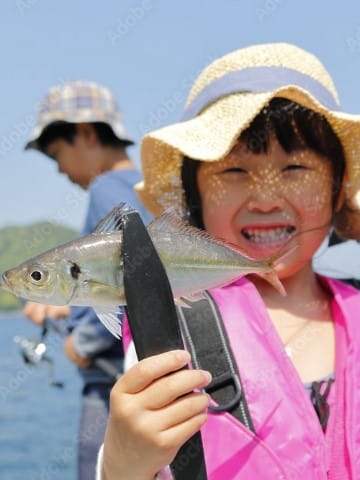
point(147, 52)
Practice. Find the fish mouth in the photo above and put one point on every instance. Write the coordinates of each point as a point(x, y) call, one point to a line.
point(268, 235)
point(4, 282)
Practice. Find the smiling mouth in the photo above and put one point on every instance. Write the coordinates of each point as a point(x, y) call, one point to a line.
point(268, 235)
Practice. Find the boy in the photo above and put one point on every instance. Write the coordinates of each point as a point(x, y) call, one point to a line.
point(79, 126)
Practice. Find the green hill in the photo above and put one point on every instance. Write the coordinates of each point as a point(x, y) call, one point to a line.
point(18, 243)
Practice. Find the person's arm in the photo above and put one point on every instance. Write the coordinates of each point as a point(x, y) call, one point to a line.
point(153, 411)
point(90, 336)
point(73, 355)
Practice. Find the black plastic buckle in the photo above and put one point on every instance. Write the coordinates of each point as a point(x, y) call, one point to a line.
point(220, 382)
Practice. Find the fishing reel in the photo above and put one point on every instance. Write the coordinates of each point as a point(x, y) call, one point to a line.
point(33, 352)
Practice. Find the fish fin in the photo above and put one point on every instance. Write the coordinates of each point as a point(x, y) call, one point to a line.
point(180, 302)
point(113, 220)
point(171, 221)
point(274, 280)
point(186, 302)
point(111, 320)
point(194, 297)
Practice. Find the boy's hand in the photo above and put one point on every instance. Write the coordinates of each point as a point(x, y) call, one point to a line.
point(153, 411)
point(73, 356)
point(37, 312)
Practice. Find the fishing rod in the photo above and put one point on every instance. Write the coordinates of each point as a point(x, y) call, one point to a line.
point(34, 352)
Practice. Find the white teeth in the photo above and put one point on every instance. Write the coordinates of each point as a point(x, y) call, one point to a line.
point(273, 235)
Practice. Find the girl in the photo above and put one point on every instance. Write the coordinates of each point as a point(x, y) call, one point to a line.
point(263, 159)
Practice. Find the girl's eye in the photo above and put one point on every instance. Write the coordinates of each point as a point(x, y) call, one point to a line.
point(294, 167)
point(234, 170)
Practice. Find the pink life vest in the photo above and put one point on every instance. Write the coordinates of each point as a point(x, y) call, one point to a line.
point(289, 443)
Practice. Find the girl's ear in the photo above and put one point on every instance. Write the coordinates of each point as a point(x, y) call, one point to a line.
point(342, 194)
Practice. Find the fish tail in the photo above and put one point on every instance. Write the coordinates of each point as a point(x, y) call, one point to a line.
point(273, 279)
point(270, 275)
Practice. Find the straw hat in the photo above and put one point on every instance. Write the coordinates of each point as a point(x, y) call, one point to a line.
point(224, 100)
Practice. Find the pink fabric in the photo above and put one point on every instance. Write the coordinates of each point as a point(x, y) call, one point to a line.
point(126, 334)
point(289, 443)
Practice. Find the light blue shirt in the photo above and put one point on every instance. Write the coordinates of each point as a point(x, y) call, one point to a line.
point(91, 338)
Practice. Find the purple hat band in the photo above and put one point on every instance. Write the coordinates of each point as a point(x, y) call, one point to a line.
point(259, 80)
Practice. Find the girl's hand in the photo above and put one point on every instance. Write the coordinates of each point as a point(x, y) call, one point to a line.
point(153, 411)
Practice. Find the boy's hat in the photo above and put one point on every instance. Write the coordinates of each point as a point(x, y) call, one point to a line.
point(78, 102)
point(222, 103)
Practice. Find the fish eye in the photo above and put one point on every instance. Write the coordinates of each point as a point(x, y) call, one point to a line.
point(38, 276)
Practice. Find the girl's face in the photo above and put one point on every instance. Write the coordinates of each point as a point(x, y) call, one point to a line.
point(265, 203)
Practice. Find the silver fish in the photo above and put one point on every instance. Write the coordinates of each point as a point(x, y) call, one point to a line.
point(89, 271)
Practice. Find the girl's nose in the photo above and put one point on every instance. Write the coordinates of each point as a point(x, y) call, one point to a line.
point(265, 200)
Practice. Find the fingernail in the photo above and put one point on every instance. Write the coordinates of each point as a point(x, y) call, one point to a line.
point(183, 355)
point(207, 377)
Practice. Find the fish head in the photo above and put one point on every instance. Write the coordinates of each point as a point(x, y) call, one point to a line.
point(42, 280)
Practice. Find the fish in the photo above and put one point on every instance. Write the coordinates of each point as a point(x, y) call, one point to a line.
point(88, 271)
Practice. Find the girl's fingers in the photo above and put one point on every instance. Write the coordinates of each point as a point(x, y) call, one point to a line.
point(180, 433)
point(167, 389)
point(150, 369)
point(182, 410)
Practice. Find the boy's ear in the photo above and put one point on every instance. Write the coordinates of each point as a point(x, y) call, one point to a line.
point(87, 132)
point(342, 193)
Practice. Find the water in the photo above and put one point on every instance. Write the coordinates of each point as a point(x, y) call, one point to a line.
point(38, 422)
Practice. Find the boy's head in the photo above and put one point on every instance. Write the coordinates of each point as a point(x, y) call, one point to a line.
point(76, 124)
point(224, 101)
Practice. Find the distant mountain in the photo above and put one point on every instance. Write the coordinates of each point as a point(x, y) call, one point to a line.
point(20, 243)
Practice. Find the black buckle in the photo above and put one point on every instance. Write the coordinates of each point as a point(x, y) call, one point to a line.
point(220, 382)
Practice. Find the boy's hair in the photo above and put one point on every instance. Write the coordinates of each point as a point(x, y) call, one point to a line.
point(295, 127)
point(67, 131)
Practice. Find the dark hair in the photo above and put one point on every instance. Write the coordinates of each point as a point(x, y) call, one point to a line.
point(295, 127)
point(67, 131)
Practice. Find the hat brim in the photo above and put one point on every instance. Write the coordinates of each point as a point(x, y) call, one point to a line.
point(212, 134)
point(118, 130)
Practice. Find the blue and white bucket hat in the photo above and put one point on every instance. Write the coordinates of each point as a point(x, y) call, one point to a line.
point(78, 102)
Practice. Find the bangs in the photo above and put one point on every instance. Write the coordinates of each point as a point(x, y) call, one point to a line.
point(295, 127)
